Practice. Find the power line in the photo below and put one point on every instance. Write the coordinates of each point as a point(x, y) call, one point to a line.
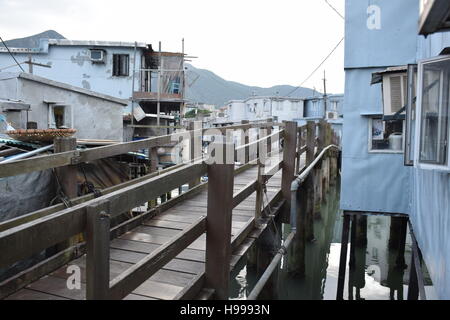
point(335, 10)
point(323, 61)
point(11, 54)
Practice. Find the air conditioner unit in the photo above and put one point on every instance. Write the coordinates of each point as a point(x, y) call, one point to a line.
point(97, 56)
point(395, 90)
point(332, 115)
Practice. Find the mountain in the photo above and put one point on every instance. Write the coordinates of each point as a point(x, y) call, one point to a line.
point(32, 41)
point(207, 87)
point(202, 85)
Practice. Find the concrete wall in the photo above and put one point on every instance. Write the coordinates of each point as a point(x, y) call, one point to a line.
point(72, 65)
point(94, 118)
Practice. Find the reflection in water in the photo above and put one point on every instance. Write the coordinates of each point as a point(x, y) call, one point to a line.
point(378, 261)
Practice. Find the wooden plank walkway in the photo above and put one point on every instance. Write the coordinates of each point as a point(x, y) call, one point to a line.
point(177, 275)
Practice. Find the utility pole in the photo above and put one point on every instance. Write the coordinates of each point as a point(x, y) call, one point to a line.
point(324, 91)
point(158, 103)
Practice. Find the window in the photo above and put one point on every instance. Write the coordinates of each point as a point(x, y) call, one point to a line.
point(121, 65)
point(434, 92)
point(266, 106)
point(334, 106)
point(386, 135)
point(59, 116)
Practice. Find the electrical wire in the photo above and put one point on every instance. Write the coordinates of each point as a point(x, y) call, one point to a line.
point(334, 9)
point(11, 54)
point(315, 70)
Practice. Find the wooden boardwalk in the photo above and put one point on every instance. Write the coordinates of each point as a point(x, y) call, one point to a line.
point(178, 276)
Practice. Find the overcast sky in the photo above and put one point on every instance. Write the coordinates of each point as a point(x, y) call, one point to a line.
point(255, 42)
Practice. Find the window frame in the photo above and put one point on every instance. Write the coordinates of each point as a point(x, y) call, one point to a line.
point(378, 151)
point(410, 116)
point(418, 125)
point(119, 62)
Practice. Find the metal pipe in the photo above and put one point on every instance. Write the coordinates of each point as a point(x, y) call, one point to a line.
point(27, 154)
point(272, 266)
point(283, 250)
point(296, 184)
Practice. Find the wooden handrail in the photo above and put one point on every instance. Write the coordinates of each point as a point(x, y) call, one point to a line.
point(61, 159)
point(22, 241)
point(242, 194)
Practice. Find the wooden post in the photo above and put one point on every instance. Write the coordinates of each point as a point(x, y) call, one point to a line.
point(289, 150)
point(67, 176)
point(97, 252)
point(259, 194)
point(269, 140)
point(413, 286)
point(195, 149)
point(153, 168)
point(308, 188)
point(218, 227)
point(299, 146)
point(246, 140)
point(343, 257)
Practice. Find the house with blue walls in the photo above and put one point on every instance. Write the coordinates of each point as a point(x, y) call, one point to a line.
point(395, 157)
point(152, 81)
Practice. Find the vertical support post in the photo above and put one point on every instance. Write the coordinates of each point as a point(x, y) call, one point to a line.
point(218, 226)
point(97, 251)
point(67, 176)
point(343, 257)
point(413, 286)
point(287, 176)
point(309, 183)
point(298, 155)
point(246, 140)
point(153, 168)
point(259, 194)
point(322, 134)
point(269, 140)
point(194, 148)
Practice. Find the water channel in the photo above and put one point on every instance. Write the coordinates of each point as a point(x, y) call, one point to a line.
point(378, 271)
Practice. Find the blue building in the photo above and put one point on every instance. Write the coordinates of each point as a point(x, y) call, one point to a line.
point(396, 128)
point(152, 81)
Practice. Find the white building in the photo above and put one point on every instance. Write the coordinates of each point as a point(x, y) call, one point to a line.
point(261, 108)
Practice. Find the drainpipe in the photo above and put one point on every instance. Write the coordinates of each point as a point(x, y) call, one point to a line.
point(297, 182)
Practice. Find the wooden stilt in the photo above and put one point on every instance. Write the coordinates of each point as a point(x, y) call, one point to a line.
point(343, 257)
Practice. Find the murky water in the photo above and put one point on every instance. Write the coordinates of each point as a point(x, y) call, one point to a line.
point(379, 269)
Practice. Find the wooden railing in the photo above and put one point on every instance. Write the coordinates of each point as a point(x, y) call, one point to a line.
point(92, 216)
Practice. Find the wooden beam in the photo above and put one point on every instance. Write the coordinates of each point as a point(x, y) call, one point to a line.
point(97, 252)
point(76, 156)
point(133, 277)
point(58, 207)
point(218, 228)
